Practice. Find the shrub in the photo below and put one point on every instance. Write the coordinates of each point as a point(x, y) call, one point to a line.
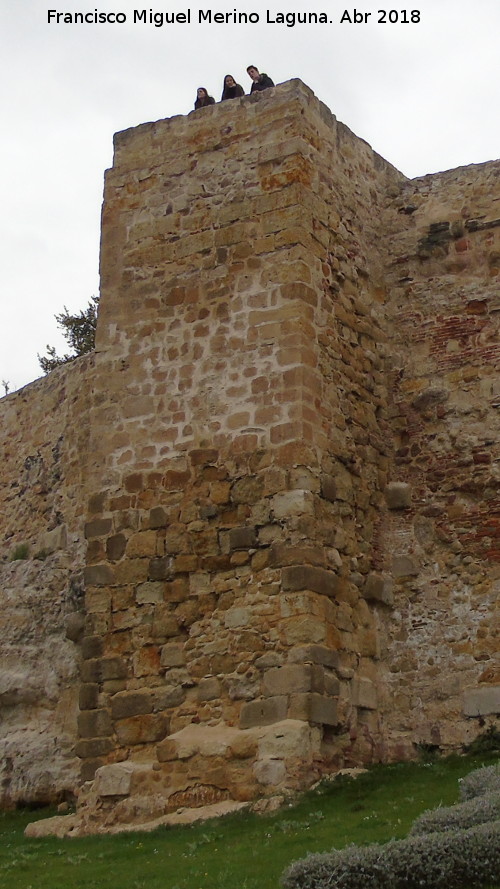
point(479, 782)
point(20, 553)
point(352, 868)
point(462, 816)
point(464, 859)
point(486, 742)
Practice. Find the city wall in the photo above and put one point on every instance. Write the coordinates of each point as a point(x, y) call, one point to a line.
point(284, 464)
point(44, 434)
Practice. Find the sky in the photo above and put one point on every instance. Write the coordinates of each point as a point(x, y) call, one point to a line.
point(422, 89)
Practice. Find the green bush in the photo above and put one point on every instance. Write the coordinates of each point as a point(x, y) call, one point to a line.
point(352, 868)
point(486, 742)
point(463, 859)
point(474, 811)
point(480, 781)
point(20, 553)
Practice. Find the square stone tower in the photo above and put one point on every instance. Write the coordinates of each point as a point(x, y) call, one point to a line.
point(260, 429)
point(240, 450)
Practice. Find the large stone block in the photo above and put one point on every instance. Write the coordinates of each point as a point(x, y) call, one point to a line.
point(270, 771)
point(314, 708)
point(263, 712)
point(142, 729)
point(94, 724)
point(405, 565)
point(482, 701)
point(103, 669)
point(151, 592)
point(379, 588)
point(364, 694)
point(242, 538)
point(117, 779)
point(293, 678)
point(91, 748)
point(131, 703)
point(292, 503)
point(308, 577)
point(99, 575)
point(314, 654)
point(398, 495)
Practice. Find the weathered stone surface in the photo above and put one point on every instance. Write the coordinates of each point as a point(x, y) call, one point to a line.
point(483, 701)
point(93, 747)
point(364, 694)
point(242, 538)
point(293, 678)
point(405, 566)
point(263, 712)
point(141, 729)
point(208, 689)
point(315, 654)
point(398, 495)
point(306, 577)
point(313, 708)
point(94, 724)
point(116, 779)
point(130, 703)
point(379, 588)
point(99, 575)
point(75, 624)
point(270, 771)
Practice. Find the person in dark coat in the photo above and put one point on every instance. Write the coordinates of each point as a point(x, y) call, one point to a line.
point(260, 81)
point(231, 89)
point(202, 98)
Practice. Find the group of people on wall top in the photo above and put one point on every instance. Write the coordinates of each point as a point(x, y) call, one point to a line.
point(232, 90)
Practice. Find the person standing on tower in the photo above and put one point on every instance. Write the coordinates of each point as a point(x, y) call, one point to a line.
point(260, 81)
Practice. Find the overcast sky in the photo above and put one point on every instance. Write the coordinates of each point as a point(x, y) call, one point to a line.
point(424, 94)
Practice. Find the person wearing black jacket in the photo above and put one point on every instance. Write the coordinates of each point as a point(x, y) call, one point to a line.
point(260, 81)
point(231, 89)
point(202, 98)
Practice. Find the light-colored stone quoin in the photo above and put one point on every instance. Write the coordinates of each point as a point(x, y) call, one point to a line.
point(262, 519)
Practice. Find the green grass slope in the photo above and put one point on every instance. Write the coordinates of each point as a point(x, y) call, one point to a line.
point(238, 852)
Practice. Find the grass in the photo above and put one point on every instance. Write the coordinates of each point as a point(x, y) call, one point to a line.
point(241, 851)
point(20, 553)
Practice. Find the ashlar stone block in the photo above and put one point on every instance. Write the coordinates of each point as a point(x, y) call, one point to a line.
point(312, 707)
point(293, 678)
point(378, 588)
point(135, 703)
point(142, 729)
point(308, 577)
point(405, 565)
point(116, 779)
point(292, 503)
point(398, 495)
point(94, 724)
point(269, 771)
point(482, 701)
point(263, 712)
point(364, 694)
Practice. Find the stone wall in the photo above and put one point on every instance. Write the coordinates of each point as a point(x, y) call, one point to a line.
point(288, 470)
point(442, 545)
point(44, 444)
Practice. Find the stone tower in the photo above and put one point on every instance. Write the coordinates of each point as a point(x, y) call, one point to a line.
point(292, 491)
